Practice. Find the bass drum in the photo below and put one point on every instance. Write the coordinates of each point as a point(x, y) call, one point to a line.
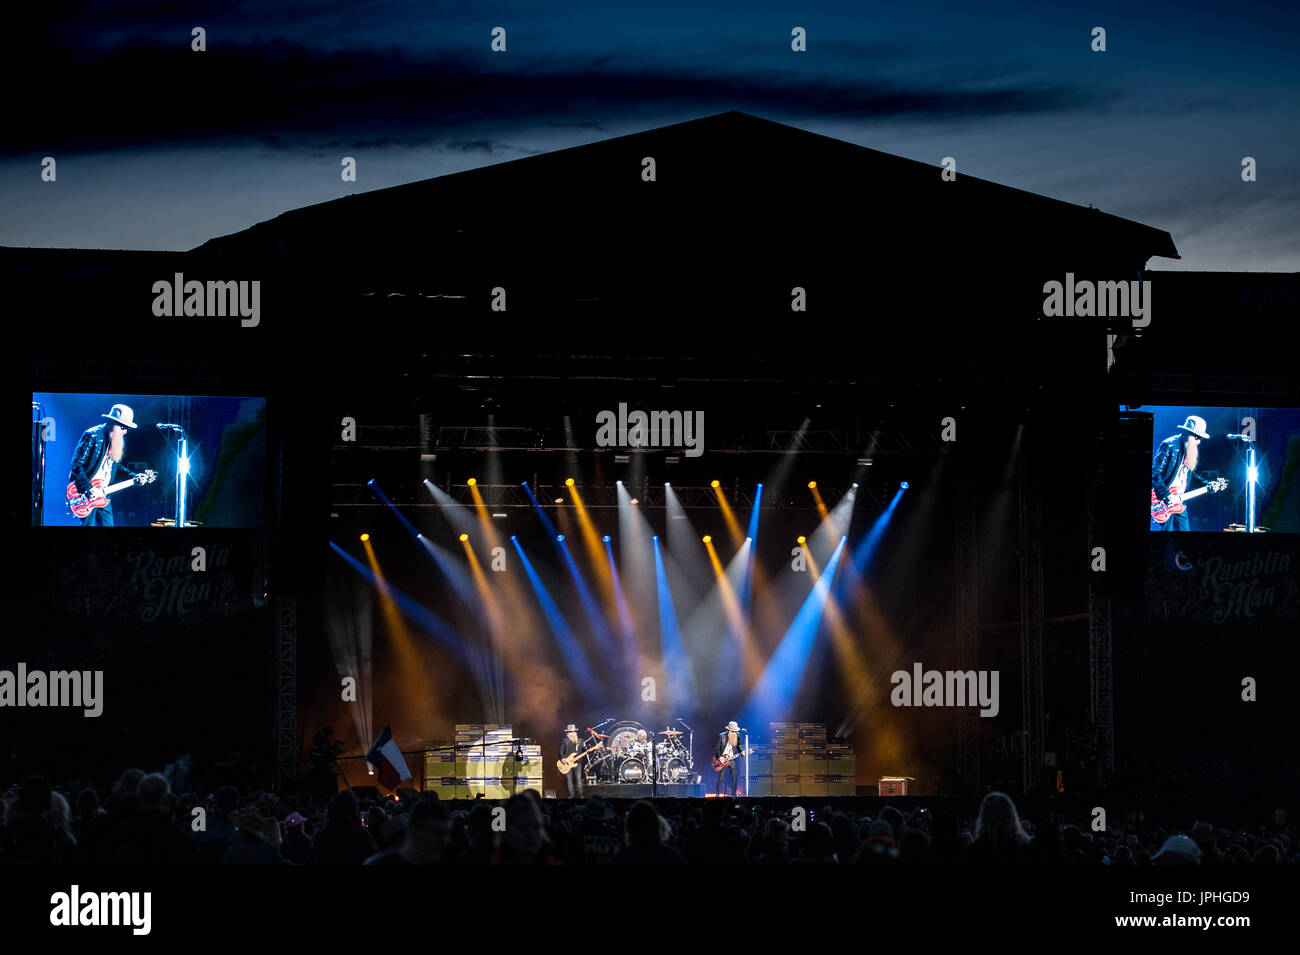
point(673, 770)
point(632, 771)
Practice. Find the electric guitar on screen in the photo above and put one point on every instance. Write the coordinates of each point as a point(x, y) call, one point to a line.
point(1161, 512)
point(82, 504)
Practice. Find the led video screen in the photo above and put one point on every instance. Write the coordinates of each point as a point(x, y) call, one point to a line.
point(1225, 469)
point(148, 461)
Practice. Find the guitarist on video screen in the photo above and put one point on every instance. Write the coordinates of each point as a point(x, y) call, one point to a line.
point(97, 460)
point(1175, 464)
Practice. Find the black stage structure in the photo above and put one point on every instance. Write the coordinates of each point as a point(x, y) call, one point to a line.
point(923, 302)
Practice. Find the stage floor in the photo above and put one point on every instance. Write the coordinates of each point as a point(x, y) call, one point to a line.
point(645, 790)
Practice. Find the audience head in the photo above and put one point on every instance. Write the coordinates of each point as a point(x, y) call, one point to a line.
point(153, 793)
point(524, 836)
point(643, 826)
point(1177, 850)
point(428, 832)
point(998, 822)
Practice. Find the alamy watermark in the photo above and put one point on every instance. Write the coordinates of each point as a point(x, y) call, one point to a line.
point(72, 688)
point(946, 688)
point(194, 299)
point(651, 429)
point(75, 907)
point(1088, 299)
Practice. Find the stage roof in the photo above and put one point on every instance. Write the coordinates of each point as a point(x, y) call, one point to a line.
point(785, 181)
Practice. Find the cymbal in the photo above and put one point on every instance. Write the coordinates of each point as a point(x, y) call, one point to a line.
point(597, 735)
point(670, 733)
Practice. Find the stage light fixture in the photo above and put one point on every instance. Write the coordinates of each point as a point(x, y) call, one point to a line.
point(559, 538)
point(904, 485)
point(568, 482)
point(708, 538)
point(463, 538)
point(812, 485)
point(619, 483)
point(715, 483)
point(855, 487)
point(365, 537)
point(605, 538)
point(370, 483)
point(634, 501)
point(801, 539)
point(559, 500)
point(471, 482)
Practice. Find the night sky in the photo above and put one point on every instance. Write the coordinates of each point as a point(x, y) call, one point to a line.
point(159, 147)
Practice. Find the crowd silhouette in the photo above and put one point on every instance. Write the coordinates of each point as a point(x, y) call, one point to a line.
point(139, 820)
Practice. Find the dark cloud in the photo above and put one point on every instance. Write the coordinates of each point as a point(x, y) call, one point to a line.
point(287, 95)
point(489, 146)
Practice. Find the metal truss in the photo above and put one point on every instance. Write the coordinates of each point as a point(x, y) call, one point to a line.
point(1031, 626)
point(410, 437)
point(1099, 639)
point(1203, 384)
point(967, 611)
point(1101, 682)
point(507, 496)
point(133, 370)
point(286, 689)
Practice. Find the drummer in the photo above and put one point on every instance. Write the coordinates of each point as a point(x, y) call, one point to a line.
point(641, 746)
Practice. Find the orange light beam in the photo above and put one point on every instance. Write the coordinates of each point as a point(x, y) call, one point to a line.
point(733, 525)
point(736, 617)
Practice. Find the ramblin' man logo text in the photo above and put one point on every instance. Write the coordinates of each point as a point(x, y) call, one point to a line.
point(652, 429)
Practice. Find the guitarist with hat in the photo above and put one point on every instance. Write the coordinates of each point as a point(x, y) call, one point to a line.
point(725, 753)
point(1175, 463)
point(571, 752)
point(97, 459)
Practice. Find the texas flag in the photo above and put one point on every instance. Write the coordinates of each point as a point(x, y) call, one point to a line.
point(387, 760)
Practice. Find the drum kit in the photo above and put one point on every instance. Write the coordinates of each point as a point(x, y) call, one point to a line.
point(632, 755)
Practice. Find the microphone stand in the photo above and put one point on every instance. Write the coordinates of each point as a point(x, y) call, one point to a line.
point(747, 761)
point(690, 748)
point(334, 761)
point(38, 466)
point(182, 477)
point(654, 772)
point(1250, 488)
point(182, 470)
